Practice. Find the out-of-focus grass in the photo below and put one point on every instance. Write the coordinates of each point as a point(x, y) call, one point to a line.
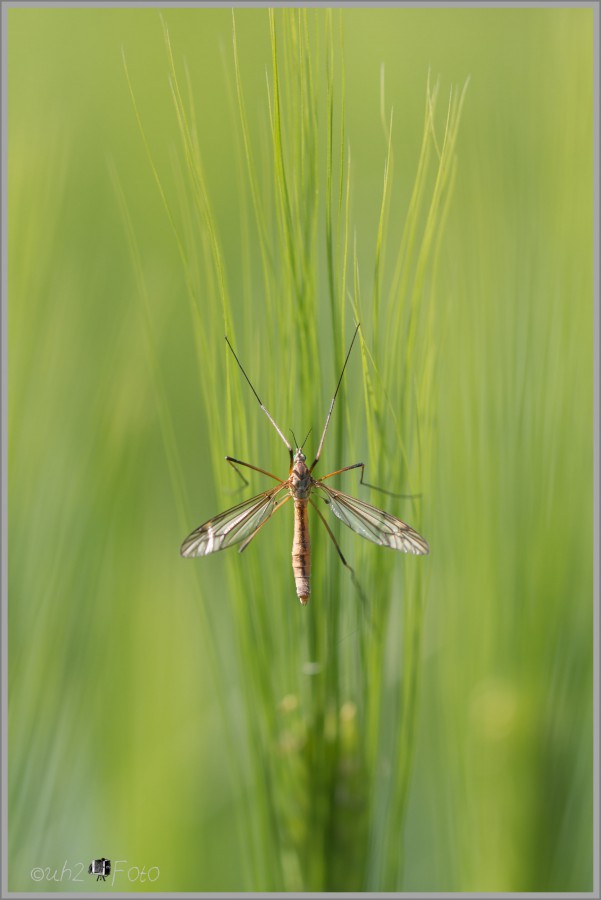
point(324, 818)
point(163, 711)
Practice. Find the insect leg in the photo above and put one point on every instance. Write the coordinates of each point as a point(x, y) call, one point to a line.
point(367, 484)
point(330, 532)
point(245, 543)
point(340, 554)
point(267, 413)
point(345, 469)
point(234, 463)
point(325, 427)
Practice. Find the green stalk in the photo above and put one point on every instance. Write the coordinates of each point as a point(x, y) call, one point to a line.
point(323, 723)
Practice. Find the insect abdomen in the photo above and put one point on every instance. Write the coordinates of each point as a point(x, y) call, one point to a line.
point(301, 552)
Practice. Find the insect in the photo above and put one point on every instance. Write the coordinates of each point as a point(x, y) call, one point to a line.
point(241, 523)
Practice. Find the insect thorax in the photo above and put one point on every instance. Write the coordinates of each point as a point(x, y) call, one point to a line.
point(300, 478)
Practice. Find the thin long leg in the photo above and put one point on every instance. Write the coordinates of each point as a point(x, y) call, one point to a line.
point(354, 578)
point(234, 463)
point(331, 533)
point(245, 543)
point(268, 414)
point(367, 484)
point(325, 427)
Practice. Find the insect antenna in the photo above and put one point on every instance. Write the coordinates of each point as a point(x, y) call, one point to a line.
point(296, 444)
point(263, 407)
point(307, 435)
point(325, 427)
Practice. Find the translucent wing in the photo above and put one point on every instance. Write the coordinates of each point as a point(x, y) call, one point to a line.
point(372, 523)
point(233, 526)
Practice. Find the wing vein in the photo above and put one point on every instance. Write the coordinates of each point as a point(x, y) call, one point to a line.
point(372, 523)
point(232, 526)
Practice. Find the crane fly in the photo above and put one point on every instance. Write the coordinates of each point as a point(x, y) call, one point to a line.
point(241, 523)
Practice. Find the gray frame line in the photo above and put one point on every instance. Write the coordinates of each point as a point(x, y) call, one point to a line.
point(5, 5)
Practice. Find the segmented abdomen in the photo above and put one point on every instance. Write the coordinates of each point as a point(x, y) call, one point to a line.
point(301, 551)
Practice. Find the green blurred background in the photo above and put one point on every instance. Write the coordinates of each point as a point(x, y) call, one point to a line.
point(128, 679)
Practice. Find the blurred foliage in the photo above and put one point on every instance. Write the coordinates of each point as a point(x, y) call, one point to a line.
point(186, 715)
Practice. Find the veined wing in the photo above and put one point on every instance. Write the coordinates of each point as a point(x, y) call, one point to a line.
point(232, 526)
point(372, 523)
